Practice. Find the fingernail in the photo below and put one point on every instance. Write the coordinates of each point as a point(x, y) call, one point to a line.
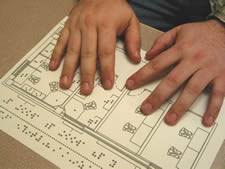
point(52, 64)
point(86, 88)
point(146, 108)
point(108, 84)
point(209, 120)
point(138, 56)
point(148, 55)
point(171, 118)
point(64, 81)
point(130, 84)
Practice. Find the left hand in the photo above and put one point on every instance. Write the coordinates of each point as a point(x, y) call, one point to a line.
point(198, 51)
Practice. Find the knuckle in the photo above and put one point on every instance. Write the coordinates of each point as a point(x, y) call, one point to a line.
point(192, 89)
point(199, 58)
point(157, 99)
point(107, 51)
point(104, 23)
point(154, 64)
point(88, 19)
point(88, 54)
point(182, 48)
point(218, 93)
point(172, 81)
point(72, 50)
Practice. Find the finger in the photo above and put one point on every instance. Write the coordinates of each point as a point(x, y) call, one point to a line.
point(71, 59)
point(133, 40)
point(106, 53)
point(215, 102)
point(59, 50)
point(153, 68)
point(163, 42)
point(190, 93)
point(88, 59)
point(168, 86)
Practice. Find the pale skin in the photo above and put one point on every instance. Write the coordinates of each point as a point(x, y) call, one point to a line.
point(90, 36)
point(196, 51)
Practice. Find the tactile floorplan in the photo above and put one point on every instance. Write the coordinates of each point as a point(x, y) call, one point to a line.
point(104, 130)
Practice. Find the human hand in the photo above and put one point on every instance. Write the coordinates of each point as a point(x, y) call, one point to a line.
point(198, 52)
point(90, 35)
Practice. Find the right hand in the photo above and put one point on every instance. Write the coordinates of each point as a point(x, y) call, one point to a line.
point(90, 35)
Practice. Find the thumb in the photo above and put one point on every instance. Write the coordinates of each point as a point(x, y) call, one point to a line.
point(133, 40)
point(163, 42)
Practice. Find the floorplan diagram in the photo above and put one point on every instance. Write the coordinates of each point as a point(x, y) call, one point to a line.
point(104, 130)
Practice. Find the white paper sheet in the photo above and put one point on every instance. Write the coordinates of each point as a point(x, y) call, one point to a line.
point(104, 130)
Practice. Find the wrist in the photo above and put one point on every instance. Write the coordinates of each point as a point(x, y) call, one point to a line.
point(217, 22)
point(216, 25)
point(217, 19)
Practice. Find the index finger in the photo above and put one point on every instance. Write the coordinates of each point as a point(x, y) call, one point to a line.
point(153, 68)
